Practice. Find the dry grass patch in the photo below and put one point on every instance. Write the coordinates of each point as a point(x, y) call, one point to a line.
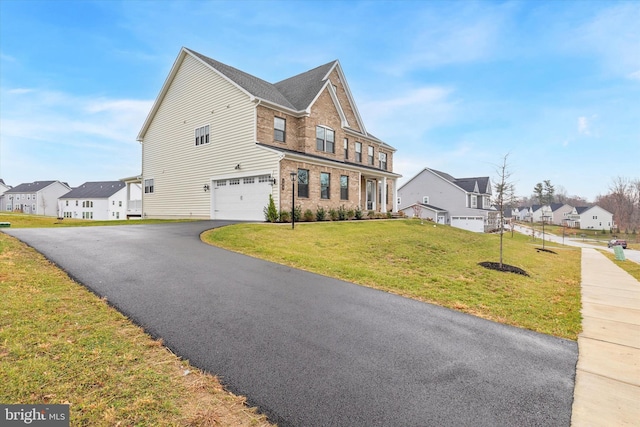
point(59, 343)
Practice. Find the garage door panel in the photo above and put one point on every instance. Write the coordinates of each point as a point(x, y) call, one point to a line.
point(468, 223)
point(240, 199)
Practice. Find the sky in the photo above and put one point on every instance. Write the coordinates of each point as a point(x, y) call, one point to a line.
point(452, 85)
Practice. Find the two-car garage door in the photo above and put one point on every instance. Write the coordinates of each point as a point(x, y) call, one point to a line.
point(241, 198)
point(471, 223)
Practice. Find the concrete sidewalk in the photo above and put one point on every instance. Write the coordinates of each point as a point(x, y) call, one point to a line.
point(607, 387)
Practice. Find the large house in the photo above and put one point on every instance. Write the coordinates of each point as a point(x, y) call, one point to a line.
point(460, 202)
point(219, 141)
point(39, 197)
point(590, 217)
point(105, 200)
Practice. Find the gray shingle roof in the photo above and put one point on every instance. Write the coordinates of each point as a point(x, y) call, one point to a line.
point(95, 190)
point(302, 89)
point(295, 93)
point(255, 86)
point(582, 209)
point(30, 187)
point(467, 184)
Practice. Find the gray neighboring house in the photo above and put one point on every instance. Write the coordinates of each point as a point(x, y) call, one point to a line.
point(102, 200)
point(560, 213)
point(3, 188)
point(38, 198)
point(460, 202)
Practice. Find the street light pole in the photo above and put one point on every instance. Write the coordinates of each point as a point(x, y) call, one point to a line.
point(293, 175)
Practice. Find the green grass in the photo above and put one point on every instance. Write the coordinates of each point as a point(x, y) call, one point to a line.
point(633, 268)
point(432, 264)
point(59, 343)
point(39, 221)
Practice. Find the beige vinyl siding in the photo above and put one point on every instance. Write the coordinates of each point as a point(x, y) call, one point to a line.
point(197, 97)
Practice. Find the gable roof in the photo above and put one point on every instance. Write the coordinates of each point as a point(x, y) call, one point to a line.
point(470, 185)
point(296, 94)
point(95, 190)
point(30, 187)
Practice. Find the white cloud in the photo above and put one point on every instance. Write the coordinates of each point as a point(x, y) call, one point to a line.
point(68, 137)
point(614, 35)
point(408, 116)
point(583, 126)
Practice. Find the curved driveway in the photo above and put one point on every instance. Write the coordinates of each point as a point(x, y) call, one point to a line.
point(313, 351)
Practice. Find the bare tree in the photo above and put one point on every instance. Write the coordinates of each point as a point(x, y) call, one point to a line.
point(417, 210)
point(504, 196)
point(544, 194)
point(623, 201)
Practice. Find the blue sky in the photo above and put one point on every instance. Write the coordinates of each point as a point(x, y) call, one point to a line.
point(453, 85)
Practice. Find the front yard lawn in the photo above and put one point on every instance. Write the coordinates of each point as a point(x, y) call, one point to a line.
point(436, 264)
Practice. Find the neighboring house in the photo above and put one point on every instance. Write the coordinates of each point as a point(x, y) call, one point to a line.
point(3, 188)
point(219, 141)
point(524, 213)
point(590, 217)
point(560, 213)
point(462, 202)
point(134, 196)
point(39, 198)
point(105, 200)
point(541, 213)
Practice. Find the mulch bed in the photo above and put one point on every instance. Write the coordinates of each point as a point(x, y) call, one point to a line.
point(546, 250)
point(505, 267)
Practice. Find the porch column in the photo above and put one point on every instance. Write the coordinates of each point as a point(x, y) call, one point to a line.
point(383, 208)
point(395, 196)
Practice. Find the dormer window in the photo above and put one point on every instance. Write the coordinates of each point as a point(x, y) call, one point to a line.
point(325, 139)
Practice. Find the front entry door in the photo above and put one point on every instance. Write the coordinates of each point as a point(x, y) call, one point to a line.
point(371, 195)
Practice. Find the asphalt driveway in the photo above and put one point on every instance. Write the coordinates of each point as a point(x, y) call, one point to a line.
point(313, 351)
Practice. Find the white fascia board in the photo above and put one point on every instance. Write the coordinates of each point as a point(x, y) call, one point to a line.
point(163, 91)
point(343, 79)
point(274, 106)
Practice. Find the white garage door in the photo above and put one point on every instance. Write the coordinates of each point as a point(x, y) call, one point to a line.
point(241, 198)
point(471, 223)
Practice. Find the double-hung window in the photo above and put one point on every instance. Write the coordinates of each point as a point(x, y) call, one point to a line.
point(325, 139)
point(370, 155)
point(359, 152)
point(279, 129)
point(303, 183)
point(325, 185)
point(148, 186)
point(202, 135)
point(344, 187)
point(383, 160)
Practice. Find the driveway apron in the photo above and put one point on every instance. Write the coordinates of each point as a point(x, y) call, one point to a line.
point(308, 350)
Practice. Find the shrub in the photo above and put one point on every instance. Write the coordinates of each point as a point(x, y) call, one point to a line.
point(358, 213)
point(342, 213)
point(389, 216)
point(320, 214)
point(270, 211)
point(371, 214)
point(297, 212)
point(351, 213)
point(285, 216)
point(309, 216)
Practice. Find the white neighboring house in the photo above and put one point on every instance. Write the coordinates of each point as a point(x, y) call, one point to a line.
point(3, 188)
point(103, 200)
point(590, 218)
point(460, 202)
point(540, 213)
point(39, 197)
